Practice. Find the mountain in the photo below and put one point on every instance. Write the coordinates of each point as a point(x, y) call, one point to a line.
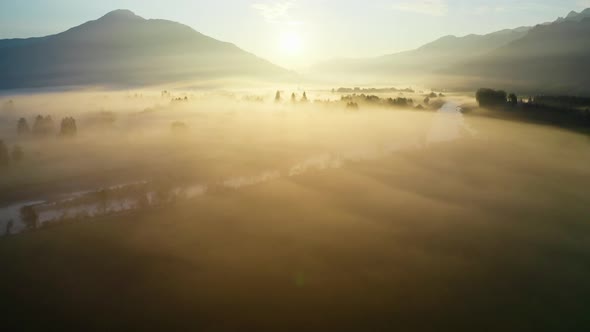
point(575, 16)
point(554, 57)
point(429, 58)
point(550, 57)
point(122, 48)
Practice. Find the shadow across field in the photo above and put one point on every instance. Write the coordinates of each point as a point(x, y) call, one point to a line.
point(451, 237)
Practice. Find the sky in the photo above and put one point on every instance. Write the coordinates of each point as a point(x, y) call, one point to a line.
point(298, 33)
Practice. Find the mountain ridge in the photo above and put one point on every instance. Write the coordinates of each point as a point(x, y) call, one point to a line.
point(550, 58)
point(500, 58)
point(427, 58)
point(121, 48)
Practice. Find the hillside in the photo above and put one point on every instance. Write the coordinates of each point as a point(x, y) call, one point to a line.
point(122, 48)
point(429, 58)
point(575, 16)
point(549, 58)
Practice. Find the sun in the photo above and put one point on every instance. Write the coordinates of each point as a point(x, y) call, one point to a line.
point(291, 43)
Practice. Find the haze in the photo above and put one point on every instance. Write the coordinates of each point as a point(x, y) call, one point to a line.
point(325, 29)
point(294, 166)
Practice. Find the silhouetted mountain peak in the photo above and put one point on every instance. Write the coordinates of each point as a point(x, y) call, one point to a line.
point(122, 48)
point(121, 15)
point(583, 14)
point(572, 16)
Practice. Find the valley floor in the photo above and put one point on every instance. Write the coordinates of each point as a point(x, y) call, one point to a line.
point(461, 236)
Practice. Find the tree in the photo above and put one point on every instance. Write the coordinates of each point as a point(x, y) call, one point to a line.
point(17, 153)
point(38, 125)
point(43, 126)
point(278, 96)
point(293, 97)
point(4, 156)
point(29, 217)
point(304, 98)
point(351, 105)
point(68, 127)
point(22, 127)
point(400, 102)
point(48, 125)
point(512, 99)
point(427, 100)
point(490, 98)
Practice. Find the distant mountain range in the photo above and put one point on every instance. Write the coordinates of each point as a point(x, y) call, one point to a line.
point(575, 16)
point(430, 57)
point(121, 49)
point(552, 57)
point(549, 58)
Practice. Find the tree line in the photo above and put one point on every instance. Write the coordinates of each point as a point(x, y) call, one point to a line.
point(278, 97)
point(495, 98)
point(353, 100)
point(44, 126)
point(569, 111)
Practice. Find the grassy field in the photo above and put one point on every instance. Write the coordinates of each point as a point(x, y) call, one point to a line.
point(487, 233)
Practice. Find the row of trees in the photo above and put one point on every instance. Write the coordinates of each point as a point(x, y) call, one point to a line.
point(400, 102)
point(6, 156)
point(376, 100)
point(495, 98)
point(352, 105)
point(565, 111)
point(354, 99)
point(303, 99)
point(371, 90)
point(44, 126)
point(103, 202)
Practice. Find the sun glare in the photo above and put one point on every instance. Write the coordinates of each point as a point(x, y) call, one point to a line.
point(291, 43)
